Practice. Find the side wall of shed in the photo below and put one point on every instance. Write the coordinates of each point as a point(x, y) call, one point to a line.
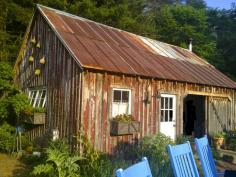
point(60, 75)
point(97, 101)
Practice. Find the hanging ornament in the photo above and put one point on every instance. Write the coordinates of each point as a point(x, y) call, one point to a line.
point(42, 61)
point(31, 59)
point(38, 45)
point(33, 40)
point(37, 72)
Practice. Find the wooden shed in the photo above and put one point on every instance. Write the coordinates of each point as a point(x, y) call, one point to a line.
point(85, 73)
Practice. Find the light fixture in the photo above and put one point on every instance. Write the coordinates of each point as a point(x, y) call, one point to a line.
point(158, 95)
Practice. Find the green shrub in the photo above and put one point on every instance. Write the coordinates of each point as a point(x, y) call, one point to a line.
point(60, 162)
point(230, 140)
point(154, 148)
point(94, 163)
point(6, 137)
point(183, 139)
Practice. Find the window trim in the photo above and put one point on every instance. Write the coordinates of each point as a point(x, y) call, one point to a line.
point(129, 102)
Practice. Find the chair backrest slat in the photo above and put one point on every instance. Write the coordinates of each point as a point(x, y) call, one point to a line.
point(206, 157)
point(182, 160)
point(140, 169)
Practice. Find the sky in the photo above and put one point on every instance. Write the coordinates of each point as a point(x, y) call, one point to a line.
point(226, 4)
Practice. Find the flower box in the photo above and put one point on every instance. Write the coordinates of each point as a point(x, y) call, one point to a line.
point(118, 128)
point(36, 119)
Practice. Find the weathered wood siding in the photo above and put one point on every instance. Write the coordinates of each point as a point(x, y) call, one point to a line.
point(220, 114)
point(60, 75)
point(97, 103)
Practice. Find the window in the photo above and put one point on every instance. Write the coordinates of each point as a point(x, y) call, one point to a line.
point(37, 97)
point(167, 108)
point(121, 101)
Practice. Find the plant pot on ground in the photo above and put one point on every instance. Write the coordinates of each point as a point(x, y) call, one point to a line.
point(218, 139)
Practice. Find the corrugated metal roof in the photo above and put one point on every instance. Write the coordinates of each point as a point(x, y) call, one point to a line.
point(98, 46)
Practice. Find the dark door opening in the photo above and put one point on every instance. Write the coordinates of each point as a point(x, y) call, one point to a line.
point(194, 116)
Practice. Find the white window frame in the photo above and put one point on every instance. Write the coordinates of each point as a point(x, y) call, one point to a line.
point(173, 109)
point(129, 102)
point(38, 97)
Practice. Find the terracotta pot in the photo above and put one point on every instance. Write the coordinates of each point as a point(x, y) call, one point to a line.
point(218, 142)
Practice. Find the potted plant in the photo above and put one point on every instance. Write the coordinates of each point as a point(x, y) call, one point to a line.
point(218, 139)
point(124, 124)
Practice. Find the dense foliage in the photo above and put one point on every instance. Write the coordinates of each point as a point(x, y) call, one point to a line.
point(154, 148)
point(58, 160)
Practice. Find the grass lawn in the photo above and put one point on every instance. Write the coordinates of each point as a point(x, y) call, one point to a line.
point(10, 166)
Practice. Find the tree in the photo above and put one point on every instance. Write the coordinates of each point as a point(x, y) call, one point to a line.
point(177, 23)
point(223, 23)
point(197, 4)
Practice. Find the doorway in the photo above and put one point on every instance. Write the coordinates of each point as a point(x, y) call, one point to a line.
point(194, 116)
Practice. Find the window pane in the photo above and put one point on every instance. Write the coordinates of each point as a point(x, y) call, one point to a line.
point(171, 103)
point(125, 96)
point(38, 98)
point(170, 115)
point(166, 116)
point(117, 96)
point(44, 94)
point(162, 116)
point(33, 97)
point(121, 102)
point(162, 103)
point(166, 103)
point(41, 103)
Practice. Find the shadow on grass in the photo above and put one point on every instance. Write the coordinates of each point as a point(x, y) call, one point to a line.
point(26, 166)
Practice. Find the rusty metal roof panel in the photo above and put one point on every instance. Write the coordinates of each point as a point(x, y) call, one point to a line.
point(98, 46)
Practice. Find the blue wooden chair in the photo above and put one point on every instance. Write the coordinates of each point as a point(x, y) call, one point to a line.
point(182, 160)
point(206, 157)
point(140, 169)
point(207, 160)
